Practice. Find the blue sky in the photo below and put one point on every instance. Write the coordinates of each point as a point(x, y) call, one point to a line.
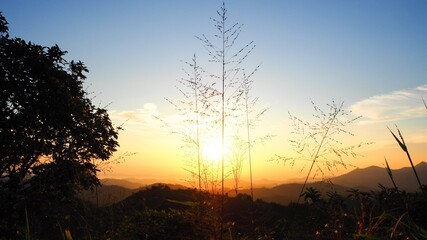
point(370, 54)
point(348, 49)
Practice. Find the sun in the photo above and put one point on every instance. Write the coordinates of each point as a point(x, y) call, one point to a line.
point(211, 150)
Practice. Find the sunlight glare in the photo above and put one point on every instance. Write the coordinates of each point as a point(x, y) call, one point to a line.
point(211, 150)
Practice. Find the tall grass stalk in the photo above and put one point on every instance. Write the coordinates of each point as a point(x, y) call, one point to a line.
point(248, 136)
point(404, 147)
point(425, 105)
point(390, 174)
point(196, 79)
point(191, 107)
point(329, 125)
point(27, 226)
point(222, 27)
point(68, 235)
point(229, 60)
point(214, 102)
point(317, 142)
point(398, 221)
point(195, 83)
point(236, 160)
point(249, 103)
point(248, 128)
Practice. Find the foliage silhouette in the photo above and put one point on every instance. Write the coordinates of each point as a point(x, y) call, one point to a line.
point(50, 132)
point(358, 215)
point(311, 195)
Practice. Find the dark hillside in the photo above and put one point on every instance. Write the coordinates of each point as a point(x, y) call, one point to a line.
point(158, 197)
point(287, 193)
point(107, 195)
point(371, 177)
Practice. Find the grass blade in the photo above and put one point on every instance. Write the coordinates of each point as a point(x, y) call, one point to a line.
point(390, 174)
point(405, 149)
point(27, 226)
point(425, 105)
point(401, 143)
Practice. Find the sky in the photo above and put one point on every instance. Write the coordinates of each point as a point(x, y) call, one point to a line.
point(372, 55)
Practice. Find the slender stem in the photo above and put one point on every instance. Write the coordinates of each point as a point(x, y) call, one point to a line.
point(425, 105)
point(197, 123)
point(390, 174)
point(317, 154)
point(249, 147)
point(415, 171)
point(222, 122)
point(249, 138)
point(196, 94)
point(405, 149)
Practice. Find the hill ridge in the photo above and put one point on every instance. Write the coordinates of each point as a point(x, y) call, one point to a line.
point(365, 179)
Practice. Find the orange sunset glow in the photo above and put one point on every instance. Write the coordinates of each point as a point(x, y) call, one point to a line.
point(213, 119)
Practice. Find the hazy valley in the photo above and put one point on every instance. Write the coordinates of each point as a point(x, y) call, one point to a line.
point(365, 179)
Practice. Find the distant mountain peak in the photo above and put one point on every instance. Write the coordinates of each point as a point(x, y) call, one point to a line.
point(372, 176)
point(421, 164)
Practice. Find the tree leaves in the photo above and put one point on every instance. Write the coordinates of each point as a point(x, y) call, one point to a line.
point(50, 132)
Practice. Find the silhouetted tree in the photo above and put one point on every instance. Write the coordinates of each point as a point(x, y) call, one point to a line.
point(50, 132)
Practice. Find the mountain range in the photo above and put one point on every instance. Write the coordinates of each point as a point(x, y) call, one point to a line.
point(372, 176)
point(364, 179)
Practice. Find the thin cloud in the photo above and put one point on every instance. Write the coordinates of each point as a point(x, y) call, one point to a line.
point(144, 116)
point(393, 106)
